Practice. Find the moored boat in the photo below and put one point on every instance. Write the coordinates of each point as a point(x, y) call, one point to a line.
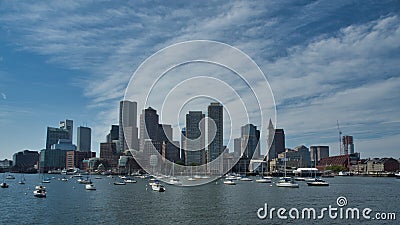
point(40, 191)
point(158, 187)
point(287, 182)
point(4, 185)
point(229, 182)
point(317, 182)
point(90, 187)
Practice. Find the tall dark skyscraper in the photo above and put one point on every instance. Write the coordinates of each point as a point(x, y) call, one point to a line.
point(149, 126)
point(250, 139)
point(114, 134)
point(216, 147)
point(84, 139)
point(195, 141)
point(128, 131)
point(276, 138)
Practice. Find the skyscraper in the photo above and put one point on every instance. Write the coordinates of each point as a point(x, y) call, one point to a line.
point(84, 139)
point(195, 143)
point(317, 153)
point(69, 126)
point(348, 145)
point(55, 134)
point(215, 148)
point(114, 134)
point(250, 138)
point(149, 126)
point(276, 141)
point(128, 131)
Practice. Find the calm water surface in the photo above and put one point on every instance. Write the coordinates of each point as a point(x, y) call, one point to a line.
point(214, 203)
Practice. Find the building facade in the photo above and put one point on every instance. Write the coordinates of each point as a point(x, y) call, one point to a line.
point(25, 160)
point(215, 115)
point(128, 131)
point(195, 141)
point(84, 139)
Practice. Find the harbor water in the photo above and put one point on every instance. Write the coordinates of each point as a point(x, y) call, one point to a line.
point(68, 202)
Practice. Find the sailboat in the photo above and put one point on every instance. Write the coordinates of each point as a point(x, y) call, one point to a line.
point(263, 179)
point(287, 181)
point(174, 180)
point(317, 181)
point(22, 181)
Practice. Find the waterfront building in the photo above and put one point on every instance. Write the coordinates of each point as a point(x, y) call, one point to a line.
point(215, 114)
point(195, 143)
point(74, 159)
point(377, 165)
point(275, 141)
point(5, 165)
point(128, 131)
point(84, 139)
point(303, 156)
point(318, 152)
point(52, 159)
point(171, 151)
point(108, 153)
point(342, 160)
point(25, 160)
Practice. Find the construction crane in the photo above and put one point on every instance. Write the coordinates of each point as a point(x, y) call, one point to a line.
point(340, 137)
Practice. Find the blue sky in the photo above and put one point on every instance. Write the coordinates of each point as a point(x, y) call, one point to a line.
point(325, 61)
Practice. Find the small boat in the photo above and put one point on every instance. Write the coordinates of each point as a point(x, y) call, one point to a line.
point(10, 177)
point(264, 180)
point(22, 181)
point(98, 178)
point(229, 182)
point(90, 187)
point(300, 179)
point(64, 179)
point(397, 175)
point(40, 192)
point(318, 182)
point(246, 179)
point(129, 180)
point(191, 179)
point(158, 187)
point(287, 182)
point(119, 183)
point(175, 181)
point(4, 185)
point(84, 181)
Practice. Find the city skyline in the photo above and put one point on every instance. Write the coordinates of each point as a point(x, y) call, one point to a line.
point(338, 62)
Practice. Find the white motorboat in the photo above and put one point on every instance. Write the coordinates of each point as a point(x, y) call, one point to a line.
point(40, 192)
point(10, 177)
point(158, 187)
point(90, 187)
point(287, 182)
point(119, 183)
point(246, 179)
point(4, 185)
point(130, 181)
point(318, 182)
point(175, 181)
point(264, 180)
point(229, 182)
point(300, 179)
point(397, 175)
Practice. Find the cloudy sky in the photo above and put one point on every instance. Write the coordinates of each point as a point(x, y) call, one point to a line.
point(324, 60)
